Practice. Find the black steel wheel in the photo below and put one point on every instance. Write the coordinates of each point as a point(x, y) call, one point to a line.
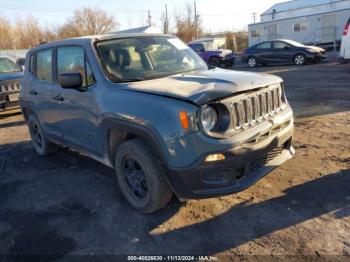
point(141, 178)
point(135, 177)
point(40, 143)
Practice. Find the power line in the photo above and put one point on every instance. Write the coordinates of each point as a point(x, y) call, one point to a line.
point(66, 10)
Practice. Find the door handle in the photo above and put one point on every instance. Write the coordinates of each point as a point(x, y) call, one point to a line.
point(58, 98)
point(33, 92)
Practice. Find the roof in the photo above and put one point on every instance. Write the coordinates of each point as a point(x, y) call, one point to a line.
point(207, 39)
point(144, 29)
point(297, 4)
point(90, 38)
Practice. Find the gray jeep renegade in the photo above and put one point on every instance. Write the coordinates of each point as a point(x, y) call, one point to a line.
point(149, 107)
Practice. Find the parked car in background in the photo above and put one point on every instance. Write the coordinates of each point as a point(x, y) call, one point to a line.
point(282, 52)
point(149, 107)
point(10, 77)
point(344, 55)
point(214, 56)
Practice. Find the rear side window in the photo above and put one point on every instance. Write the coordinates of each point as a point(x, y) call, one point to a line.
point(44, 65)
point(266, 45)
point(72, 59)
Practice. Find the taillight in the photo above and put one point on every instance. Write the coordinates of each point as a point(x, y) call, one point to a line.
point(346, 29)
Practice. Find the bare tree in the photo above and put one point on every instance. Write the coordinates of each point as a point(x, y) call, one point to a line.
point(6, 33)
point(88, 21)
point(28, 33)
point(187, 26)
point(237, 41)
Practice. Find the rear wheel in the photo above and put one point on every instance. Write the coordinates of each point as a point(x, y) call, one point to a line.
point(140, 177)
point(214, 61)
point(252, 62)
point(229, 64)
point(40, 143)
point(299, 60)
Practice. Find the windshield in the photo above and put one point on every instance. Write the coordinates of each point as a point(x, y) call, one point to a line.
point(294, 43)
point(7, 66)
point(147, 57)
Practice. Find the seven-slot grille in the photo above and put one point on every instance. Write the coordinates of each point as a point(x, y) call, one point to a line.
point(9, 86)
point(256, 107)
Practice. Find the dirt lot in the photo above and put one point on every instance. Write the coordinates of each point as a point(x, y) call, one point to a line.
point(69, 204)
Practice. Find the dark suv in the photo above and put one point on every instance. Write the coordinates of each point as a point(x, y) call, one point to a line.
point(10, 76)
point(149, 107)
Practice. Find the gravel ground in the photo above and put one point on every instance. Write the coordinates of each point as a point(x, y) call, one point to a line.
point(69, 204)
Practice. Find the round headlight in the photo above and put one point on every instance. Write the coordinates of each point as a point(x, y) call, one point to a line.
point(209, 118)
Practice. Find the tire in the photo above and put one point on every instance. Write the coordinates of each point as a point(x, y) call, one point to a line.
point(229, 64)
point(252, 62)
point(40, 143)
point(140, 177)
point(299, 60)
point(214, 61)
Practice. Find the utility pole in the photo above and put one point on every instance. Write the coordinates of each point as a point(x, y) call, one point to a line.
point(166, 26)
point(196, 19)
point(254, 15)
point(149, 19)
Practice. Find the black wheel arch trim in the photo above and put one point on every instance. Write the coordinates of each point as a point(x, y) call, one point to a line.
point(26, 105)
point(148, 133)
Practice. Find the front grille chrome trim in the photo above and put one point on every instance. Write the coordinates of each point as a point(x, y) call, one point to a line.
point(9, 86)
point(255, 108)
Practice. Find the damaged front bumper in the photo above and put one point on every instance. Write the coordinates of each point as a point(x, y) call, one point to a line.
point(243, 166)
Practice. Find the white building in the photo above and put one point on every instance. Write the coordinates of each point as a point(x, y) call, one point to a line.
point(318, 22)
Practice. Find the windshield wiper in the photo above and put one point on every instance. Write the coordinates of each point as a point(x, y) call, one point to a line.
point(136, 79)
point(117, 79)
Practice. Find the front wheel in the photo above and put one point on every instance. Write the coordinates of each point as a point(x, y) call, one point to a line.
point(252, 62)
point(140, 177)
point(299, 60)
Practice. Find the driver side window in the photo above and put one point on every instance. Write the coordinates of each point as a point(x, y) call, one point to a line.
point(281, 45)
point(72, 59)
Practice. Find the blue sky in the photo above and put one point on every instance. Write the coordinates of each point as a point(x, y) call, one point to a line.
point(217, 15)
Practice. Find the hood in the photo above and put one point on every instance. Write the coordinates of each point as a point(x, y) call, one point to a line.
point(223, 52)
point(204, 86)
point(11, 76)
point(315, 48)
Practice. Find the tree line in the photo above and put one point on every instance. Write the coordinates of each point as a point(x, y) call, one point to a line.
point(26, 33)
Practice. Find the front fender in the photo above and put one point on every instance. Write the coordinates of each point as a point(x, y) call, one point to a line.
point(143, 130)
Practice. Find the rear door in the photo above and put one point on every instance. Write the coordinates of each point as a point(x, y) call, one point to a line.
point(264, 52)
point(40, 92)
point(76, 110)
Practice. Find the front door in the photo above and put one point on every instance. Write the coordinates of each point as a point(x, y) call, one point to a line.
point(76, 109)
point(282, 52)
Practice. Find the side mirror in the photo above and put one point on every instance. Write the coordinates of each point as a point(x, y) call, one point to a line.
point(70, 80)
point(202, 50)
point(287, 47)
